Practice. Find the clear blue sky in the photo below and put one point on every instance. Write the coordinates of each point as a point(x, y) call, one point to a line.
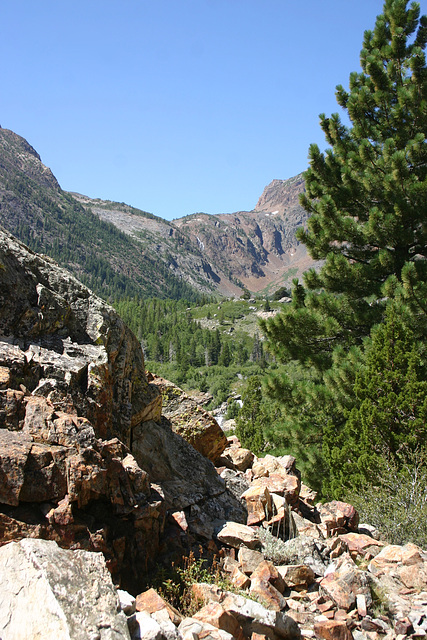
point(176, 106)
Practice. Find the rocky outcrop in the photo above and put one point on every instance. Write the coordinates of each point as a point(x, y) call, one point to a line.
point(48, 592)
point(86, 459)
point(189, 420)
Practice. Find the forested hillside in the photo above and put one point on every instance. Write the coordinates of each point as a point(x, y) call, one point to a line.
point(51, 221)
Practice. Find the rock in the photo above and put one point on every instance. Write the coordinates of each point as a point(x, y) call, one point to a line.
point(285, 485)
point(269, 465)
point(249, 559)
point(268, 594)
point(240, 459)
point(306, 527)
point(253, 617)
point(239, 579)
point(151, 602)
point(127, 602)
point(143, 627)
point(407, 564)
point(236, 482)
point(338, 515)
point(190, 420)
point(14, 452)
point(186, 477)
point(344, 583)
point(191, 629)
point(48, 592)
point(296, 576)
point(267, 572)
point(259, 504)
point(332, 630)
point(236, 535)
point(359, 545)
point(217, 616)
point(304, 550)
point(308, 495)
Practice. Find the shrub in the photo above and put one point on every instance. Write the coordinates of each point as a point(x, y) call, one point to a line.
point(397, 504)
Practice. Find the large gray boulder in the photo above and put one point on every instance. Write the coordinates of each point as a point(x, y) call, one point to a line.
point(47, 592)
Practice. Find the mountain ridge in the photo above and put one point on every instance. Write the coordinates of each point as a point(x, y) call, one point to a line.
point(120, 250)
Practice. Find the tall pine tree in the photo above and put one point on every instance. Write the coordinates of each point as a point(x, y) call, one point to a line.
point(367, 198)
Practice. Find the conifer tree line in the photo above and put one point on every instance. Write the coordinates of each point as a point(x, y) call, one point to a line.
point(353, 341)
point(177, 346)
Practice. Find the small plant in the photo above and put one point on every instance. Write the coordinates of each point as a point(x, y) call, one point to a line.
point(273, 548)
point(175, 585)
point(397, 503)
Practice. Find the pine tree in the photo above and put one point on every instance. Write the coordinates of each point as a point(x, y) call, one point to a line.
point(390, 415)
point(251, 418)
point(367, 198)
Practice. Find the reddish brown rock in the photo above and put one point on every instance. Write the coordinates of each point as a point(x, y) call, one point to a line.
point(332, 630)
point(249, 559)
point(240, 458)
point(150, 601)
point(284, 485)
point(235, 535)
point(338, 515)
point(267, 572)
point(299, 575)
point(214, 614)
point(359, 544)
point(267, 593)
point(259, 504)
point(342, 585)
point(15, 448)
point(189, 420)
point(239, 579)
point(12, 409)
point(45, 474)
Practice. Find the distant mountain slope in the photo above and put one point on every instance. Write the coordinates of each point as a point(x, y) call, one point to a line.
point(35, 209)
point(257, 248)
point(120, 251)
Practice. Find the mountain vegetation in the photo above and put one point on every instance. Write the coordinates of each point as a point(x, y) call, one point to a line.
point(35, 209)
point(354, 336)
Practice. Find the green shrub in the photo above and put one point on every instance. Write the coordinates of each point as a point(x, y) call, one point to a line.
point(397, 504)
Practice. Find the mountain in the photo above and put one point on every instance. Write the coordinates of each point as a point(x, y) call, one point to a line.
point(119, 250)
point(49, 220)
point(256, 248)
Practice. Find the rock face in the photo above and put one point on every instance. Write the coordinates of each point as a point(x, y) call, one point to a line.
point(74, 349)
point(48, 592)
point(81, 432)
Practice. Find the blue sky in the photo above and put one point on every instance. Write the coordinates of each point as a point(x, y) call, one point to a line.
point(176, 106)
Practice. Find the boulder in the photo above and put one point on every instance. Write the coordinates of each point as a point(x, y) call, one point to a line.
point(237, 535)
point(47, 592)
point(238, 457)
point(186, 477)
point(190, 420)
point(255, 618)
point(332, 630)
point(192, 629)
point(217, 616)
point(259, 504)
point(74, 348)
point(344, 583)
point(296, 575)
point(360, 545)
point(338, 517)
point(249, 559)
